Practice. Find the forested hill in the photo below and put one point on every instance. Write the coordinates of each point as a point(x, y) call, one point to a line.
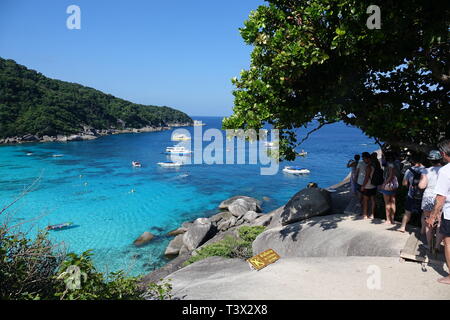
point(31, 103)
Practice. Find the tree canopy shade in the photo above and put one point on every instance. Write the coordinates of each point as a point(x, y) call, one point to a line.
point(31, 103)
point(318, 60)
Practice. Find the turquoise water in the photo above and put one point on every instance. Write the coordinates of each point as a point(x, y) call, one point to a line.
point(91, 185)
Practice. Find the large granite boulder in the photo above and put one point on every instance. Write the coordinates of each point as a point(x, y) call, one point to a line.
point(331, 236)
point(175, 246)
point(250, 216)
point(307, 203)
point(252, 203)
point(145, 238)
point(197, 233)
point(220, 217)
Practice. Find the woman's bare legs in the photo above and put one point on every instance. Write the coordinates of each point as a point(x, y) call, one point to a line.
point(393, 208)
point(389, 201)
point(428, 231)
point(405, 220)
point(373, 207)
point(365, 206)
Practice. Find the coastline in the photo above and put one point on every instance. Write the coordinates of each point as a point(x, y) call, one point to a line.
point(87, 134)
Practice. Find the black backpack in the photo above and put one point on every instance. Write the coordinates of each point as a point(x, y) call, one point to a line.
point(417, 192)
point(377, 177)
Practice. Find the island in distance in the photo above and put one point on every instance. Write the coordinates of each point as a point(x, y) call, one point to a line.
point(35, 108)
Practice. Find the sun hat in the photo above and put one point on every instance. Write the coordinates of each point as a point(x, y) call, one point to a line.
point(434, 155)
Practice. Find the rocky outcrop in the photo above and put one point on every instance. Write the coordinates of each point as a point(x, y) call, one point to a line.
point(145, 238)
point(247, 202)
point(174, 247)
point(197, 233)
point(191, 236)
point(88, 133)
point(331, 236)
point(307, 203)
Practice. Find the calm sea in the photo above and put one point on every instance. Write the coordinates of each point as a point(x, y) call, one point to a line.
point(91, 185)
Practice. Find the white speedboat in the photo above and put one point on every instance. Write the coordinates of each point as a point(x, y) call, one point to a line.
point(178, 150)
point(136, 164)
point(295, 170)
point(302, 153)
point(170, 164)
point(180, 137)
point(271, 144)
point(198, 123)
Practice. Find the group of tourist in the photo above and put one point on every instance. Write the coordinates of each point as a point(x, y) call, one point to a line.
point(428, 190)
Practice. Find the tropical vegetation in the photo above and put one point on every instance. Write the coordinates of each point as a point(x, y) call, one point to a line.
point(318, 61)
point(31, 103)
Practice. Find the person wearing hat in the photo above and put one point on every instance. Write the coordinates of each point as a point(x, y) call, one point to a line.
point(442, 204)
point(428, 182)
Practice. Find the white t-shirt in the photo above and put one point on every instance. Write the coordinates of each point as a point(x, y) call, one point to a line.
point(443, 188)
point(432, 176)
point(362, 172)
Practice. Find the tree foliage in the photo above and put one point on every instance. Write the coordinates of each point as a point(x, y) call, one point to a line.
point(34, 269)
point(31, 103)
point(318, 60)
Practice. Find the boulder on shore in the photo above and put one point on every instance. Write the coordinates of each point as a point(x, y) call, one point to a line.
point(145, 238)
point(197, 233)
point(252, 203)
point(174, 246)
point(307, 203)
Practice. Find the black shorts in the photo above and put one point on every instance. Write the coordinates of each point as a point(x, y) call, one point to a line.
point(445, 227)
point(413, 205)
point(369, 192)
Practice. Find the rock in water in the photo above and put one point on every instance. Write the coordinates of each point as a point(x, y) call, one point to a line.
point(196, 233)
point(177, 232)
point(145, 238)
point(305, 204)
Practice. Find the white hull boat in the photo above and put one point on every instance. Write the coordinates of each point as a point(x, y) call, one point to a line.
point(296, 170)
point(170, 164)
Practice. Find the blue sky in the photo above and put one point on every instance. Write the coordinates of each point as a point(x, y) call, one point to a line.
point(176, 53)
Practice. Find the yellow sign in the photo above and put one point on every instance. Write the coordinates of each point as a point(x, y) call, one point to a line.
point(263, 259)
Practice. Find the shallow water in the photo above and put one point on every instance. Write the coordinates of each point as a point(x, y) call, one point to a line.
point(91, 185)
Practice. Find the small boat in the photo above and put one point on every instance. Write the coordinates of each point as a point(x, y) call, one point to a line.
point(198, 123)
point(57, 155)
point(170, 164)
point(271, 144)
point(136, 164)
point(180, 137)
point(29, 154)
point(178, 150)
point(296, 170)
point(302, 153)
point(60, 226)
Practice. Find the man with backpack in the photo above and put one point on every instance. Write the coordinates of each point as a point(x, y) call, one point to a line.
point(415, 194)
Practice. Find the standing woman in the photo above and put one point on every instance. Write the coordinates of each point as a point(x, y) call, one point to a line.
point(389, 187)
point(353, 164)
point(428, 181)
point(368, 190)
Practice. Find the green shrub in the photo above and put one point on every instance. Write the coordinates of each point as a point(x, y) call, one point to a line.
point(230, 247)
point(34, 270)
